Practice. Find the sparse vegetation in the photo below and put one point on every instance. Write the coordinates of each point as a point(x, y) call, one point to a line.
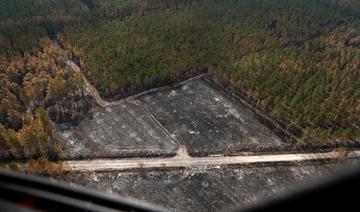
point(40, 166)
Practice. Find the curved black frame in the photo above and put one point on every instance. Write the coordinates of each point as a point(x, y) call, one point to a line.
point(338, 190)
point(48, 195)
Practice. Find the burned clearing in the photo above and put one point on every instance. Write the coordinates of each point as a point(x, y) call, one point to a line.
point(207, 122)
point(117, 131)
point(212, 189)
point(154, 124)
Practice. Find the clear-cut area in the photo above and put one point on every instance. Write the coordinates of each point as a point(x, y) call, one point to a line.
point(193, 114)
point(118, 131)
point(207, 122)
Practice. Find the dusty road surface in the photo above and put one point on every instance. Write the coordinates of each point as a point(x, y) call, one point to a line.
point(182, 159)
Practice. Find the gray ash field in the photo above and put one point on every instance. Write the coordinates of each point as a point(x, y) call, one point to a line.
point(205, 189)
point(207, 122)
point(193, 114)
point(117, 131)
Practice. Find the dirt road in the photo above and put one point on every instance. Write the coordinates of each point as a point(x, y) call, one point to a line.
point(182, 159)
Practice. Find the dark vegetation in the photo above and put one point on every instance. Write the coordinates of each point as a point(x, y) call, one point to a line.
point(299, 59)
point(24, 22)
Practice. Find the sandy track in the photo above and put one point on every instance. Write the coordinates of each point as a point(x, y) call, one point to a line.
point(184, 160)
point(92, 91)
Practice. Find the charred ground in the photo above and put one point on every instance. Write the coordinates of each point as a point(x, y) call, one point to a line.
point(195, 113)
point(154, 124)
point(211, 189)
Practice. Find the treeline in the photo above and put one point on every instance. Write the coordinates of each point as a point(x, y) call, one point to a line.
point(24, 22)
point(299, 59)
point(127, 55)
point(33, 86)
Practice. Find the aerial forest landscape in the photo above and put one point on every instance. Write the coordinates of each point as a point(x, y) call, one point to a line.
point(189, 105)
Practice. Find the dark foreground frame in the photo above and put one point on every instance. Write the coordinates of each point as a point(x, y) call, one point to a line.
point(34, 192)
point(337, 191)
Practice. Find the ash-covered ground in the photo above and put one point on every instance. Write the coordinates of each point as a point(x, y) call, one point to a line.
point(207, 122)
point(117, 131)
point(212, 189)
point(193, 114)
